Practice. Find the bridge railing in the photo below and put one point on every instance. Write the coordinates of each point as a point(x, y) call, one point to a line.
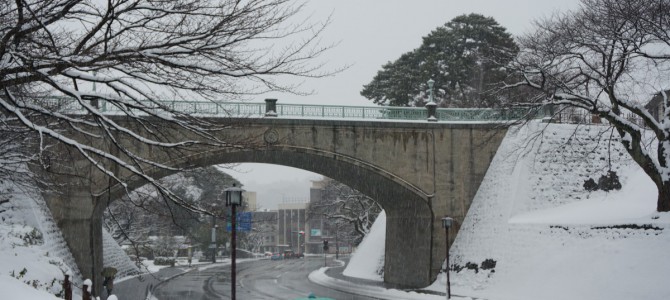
point(247, 109)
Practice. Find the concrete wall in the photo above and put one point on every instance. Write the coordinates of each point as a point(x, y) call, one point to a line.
point(418, 172)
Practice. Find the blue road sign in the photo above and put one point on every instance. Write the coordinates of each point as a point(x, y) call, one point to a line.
point(243, 222)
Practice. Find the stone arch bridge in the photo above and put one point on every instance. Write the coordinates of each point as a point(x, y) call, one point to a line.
point(418, 171)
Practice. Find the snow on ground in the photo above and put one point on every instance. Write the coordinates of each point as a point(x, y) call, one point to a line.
point(368, 260)
point(319, 276)
point(14, 289)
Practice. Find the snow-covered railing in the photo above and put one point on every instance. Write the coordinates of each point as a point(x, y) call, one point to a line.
point(248, 109)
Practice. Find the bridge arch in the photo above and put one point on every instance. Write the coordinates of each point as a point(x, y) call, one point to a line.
point(408, 210)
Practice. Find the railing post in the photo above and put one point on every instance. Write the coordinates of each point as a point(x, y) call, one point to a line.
point(67, 288)
point(271, 107)
point(86, 290)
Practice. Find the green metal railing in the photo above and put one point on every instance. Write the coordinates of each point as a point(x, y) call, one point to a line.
point(245, 109)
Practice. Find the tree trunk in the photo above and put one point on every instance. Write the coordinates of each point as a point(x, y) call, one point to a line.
point(663, 203)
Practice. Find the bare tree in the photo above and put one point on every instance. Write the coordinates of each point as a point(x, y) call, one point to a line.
point(13, 156)
point(146, 212)
point(348, 210)
point(608, 58)
point(129, 54)
point(264, 225)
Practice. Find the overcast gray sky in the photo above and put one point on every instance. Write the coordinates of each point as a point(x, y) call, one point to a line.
point(371, 33)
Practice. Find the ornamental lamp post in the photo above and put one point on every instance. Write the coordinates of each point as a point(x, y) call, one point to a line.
point(431, 105)
point(233, 197)
point(447, 222)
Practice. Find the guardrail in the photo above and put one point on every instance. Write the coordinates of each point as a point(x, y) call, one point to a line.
point(272, 109)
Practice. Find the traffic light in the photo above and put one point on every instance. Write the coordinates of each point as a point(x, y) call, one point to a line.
point(325, 245)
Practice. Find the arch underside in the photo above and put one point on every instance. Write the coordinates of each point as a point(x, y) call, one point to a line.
point(409, 216)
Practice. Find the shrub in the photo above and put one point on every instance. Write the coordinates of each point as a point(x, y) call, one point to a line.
point(488, 264)
point(609, 182)
point(164, 261)
point(472, 266)
point(590, 185)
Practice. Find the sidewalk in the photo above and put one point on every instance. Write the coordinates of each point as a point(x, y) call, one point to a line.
point(138, 287)
point(333, 278)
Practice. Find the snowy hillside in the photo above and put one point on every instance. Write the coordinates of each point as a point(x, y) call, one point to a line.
point(33, 253)
point(32, 249)
point(549, 238)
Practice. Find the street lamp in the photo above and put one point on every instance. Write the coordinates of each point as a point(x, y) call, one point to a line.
point(446, 224)
point(233, 197)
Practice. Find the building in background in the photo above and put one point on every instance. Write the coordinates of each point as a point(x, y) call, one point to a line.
point(317, 227)
point(291, 219)
point(250, 200)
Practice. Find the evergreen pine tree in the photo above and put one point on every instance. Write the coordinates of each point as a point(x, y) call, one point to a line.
point(465, 57)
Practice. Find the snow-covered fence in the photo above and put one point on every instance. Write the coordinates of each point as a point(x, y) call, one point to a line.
point(571, 115)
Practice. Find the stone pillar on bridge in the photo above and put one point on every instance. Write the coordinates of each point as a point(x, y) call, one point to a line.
point(271, 107)
point(78, 213)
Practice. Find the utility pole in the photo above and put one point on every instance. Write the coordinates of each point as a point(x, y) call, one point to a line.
point(337, 245)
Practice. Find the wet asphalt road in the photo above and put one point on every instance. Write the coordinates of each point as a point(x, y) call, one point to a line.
point(256, 280)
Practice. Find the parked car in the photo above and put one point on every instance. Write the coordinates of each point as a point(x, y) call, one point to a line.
point(289, 254)
point(276, 256)
point(299, 255)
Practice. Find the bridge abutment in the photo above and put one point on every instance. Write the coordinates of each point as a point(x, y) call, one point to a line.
point(79, 218)
point(408, 250)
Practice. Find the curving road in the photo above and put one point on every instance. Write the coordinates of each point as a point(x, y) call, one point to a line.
point(259, 279)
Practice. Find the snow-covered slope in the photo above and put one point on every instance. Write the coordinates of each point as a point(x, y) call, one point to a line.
point(32, 249)
point(368, 260)
point(552, 239)
point(114, 256)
